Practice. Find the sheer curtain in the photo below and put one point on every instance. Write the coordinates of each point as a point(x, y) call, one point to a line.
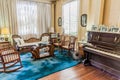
point(25, 18)
point(8, 15)
point(70, 17)
point(33, 18)
point(44, 17)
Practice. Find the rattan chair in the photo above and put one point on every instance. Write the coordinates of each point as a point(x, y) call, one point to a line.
point(45, 34)
point(60, 42)
point(69, 44)
point(9, 59)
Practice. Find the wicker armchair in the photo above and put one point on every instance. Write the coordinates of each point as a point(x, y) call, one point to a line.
point(45, 35)
point(9, 57)
point(60, 42)
point(69, 44)
point(20, 49)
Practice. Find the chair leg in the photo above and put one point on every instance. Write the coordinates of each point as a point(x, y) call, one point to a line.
point(4, 68)
point(21, 63)
point(69, 53)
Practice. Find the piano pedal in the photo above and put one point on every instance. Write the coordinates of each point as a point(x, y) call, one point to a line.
point(86, 62)
point(102, 70)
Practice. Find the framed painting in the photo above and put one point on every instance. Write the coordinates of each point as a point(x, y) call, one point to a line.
point(84, 20)
point(59, 21)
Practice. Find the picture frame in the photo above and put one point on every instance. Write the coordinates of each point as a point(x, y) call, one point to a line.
point(103, 28)
point(94, 28)
point(84, 20)
point(2, 39)
point(59, 21)
point(114, 29)
point(54, 35)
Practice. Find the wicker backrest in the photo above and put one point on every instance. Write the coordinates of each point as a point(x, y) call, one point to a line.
point(9, 56)
point(45, 34)
point(33, 39)
point(72, 42)
point(15, 36)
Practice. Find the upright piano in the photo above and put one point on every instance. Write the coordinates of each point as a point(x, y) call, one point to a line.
point(103, 51)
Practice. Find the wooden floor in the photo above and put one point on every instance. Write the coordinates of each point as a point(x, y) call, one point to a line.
point(80, 72)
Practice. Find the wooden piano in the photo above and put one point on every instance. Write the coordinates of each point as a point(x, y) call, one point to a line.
point(103, 51)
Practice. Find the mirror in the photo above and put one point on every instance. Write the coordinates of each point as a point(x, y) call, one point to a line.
point(84, 20)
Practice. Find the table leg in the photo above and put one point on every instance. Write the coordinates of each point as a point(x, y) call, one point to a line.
point(35, 54)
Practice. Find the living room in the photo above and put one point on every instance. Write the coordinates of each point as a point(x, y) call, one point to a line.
point(59, 39)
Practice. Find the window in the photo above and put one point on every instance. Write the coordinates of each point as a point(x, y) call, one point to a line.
point(27, 18)
point(70, 17)
point(33, 18)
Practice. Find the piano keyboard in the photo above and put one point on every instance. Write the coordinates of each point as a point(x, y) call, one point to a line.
point(103, 52)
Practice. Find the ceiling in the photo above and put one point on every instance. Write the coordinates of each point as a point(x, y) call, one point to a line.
point(52, 0)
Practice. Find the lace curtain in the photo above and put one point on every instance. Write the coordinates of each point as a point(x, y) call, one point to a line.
point(8, 14)
point(70, 17)
point(33, 18)
point(25, 18)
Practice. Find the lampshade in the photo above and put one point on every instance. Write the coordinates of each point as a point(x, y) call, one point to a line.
point(51, 29)
point(5, 31)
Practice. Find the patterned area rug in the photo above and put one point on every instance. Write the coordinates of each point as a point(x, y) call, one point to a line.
point(33, 70)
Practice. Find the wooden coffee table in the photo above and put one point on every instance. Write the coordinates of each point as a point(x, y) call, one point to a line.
point(36, 53)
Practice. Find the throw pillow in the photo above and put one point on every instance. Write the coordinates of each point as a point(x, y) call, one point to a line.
point(17, 40)
point(45, 39)
point(21, 41)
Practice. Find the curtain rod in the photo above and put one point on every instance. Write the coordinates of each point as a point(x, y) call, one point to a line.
point(40, 1)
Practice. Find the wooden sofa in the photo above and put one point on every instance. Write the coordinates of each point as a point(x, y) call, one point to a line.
point(23, 48)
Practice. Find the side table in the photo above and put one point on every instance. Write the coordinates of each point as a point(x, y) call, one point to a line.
point(80, 47)
point(36, 54)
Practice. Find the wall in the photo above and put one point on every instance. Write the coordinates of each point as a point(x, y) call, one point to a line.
point(112, 13)
point(99, 12)
point(93, 8)
point(58, 14)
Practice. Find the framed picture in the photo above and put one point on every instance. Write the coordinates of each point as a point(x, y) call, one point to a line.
point(114, 29)
point(84, 20)
point(94, 28)
point(103, 28)
point(2, 39)
point(59, 21)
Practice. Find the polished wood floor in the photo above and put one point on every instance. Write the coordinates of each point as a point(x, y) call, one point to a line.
point(80, 72)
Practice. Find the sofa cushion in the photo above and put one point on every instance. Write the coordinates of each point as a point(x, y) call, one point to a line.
point(45, 39)
point(21, 41)
point(17, 40)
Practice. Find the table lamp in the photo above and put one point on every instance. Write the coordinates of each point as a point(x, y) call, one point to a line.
point(51, 30)
point(5, 32)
